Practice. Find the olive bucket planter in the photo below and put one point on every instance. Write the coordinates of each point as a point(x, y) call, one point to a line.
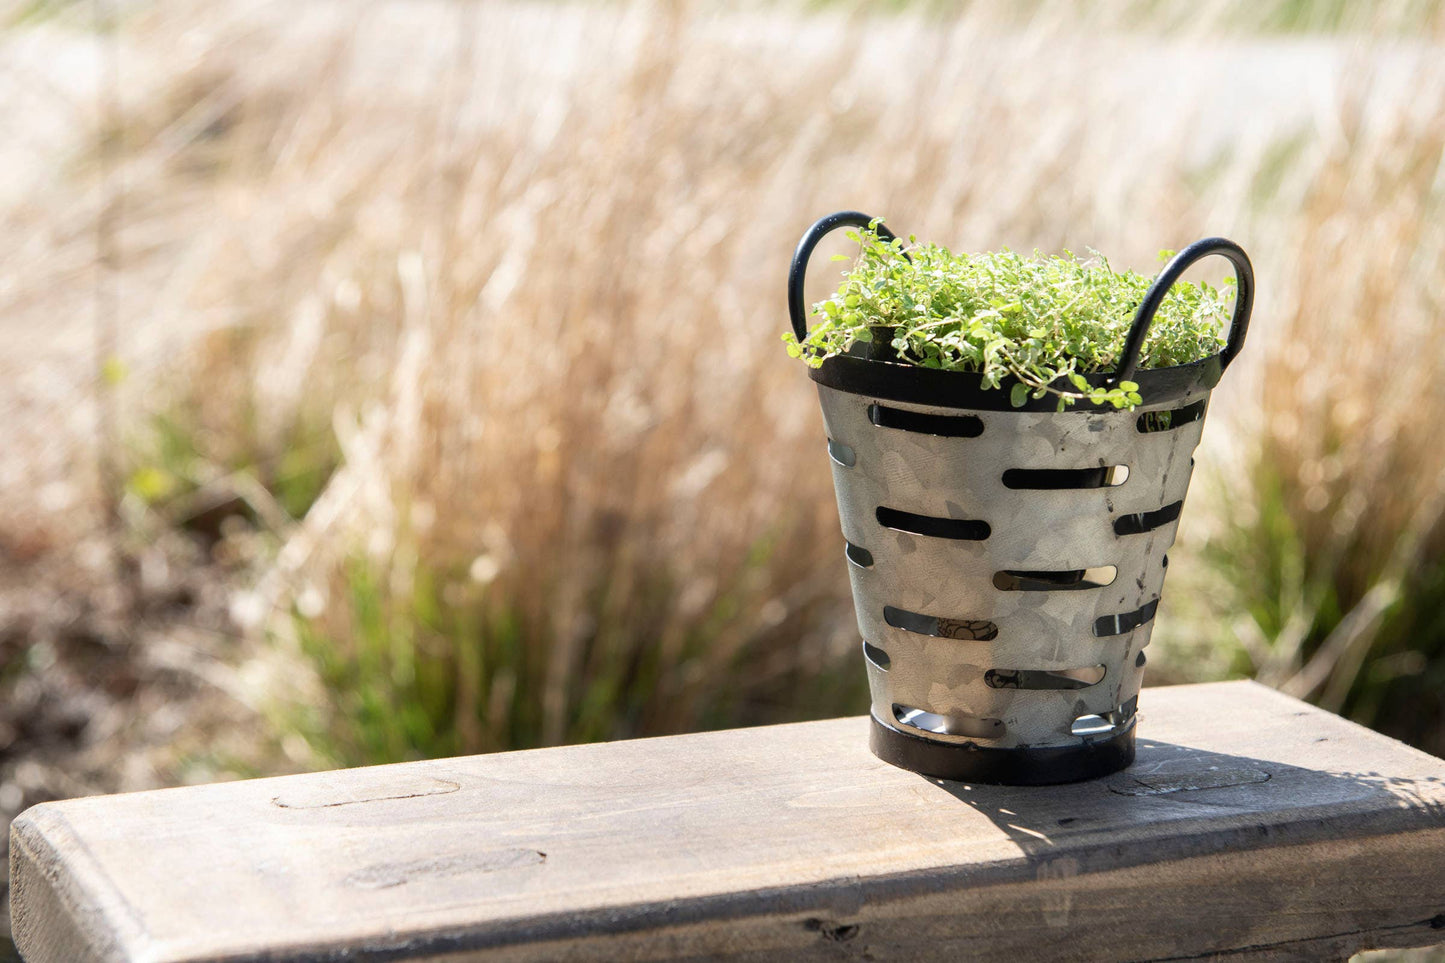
point(1007, 563)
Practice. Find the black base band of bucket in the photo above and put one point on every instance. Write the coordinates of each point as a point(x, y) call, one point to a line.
point(1005, 767)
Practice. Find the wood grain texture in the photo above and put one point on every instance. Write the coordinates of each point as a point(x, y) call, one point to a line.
point(1252, 826)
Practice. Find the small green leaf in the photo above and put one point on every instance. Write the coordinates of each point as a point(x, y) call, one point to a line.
point(152, 484)
point(113, 371)
point(1018, 395)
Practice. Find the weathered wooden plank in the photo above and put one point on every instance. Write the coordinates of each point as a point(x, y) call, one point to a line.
point(1251, 825)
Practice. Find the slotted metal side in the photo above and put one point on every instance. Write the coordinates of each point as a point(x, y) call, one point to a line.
point(1000, 668)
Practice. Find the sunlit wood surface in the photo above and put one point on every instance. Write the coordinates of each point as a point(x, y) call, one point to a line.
point(1251, 824)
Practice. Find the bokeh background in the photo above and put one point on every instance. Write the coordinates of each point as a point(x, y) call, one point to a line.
point(394, 378)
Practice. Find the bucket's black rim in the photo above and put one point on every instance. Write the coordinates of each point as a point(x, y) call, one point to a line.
point(909, 383)
point(1034, 766)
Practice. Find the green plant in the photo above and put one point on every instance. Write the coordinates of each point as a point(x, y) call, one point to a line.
point(1045, 322)
point(454, 662)
point(214, 450)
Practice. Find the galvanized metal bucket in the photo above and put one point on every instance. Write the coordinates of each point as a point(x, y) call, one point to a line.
point(1007, 563)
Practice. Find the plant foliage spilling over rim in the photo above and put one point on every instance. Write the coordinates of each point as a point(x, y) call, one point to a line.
point(1041, 327)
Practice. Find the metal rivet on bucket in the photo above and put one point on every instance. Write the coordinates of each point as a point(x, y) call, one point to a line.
point(1007, 563)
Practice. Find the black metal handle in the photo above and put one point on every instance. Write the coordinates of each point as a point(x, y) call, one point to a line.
point(1181, 262)
point(797, 310)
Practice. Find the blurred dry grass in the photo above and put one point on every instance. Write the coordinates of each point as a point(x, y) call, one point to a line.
point(461, 323)
point(1339, 556)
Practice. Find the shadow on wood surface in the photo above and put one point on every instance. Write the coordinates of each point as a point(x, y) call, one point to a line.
point(1167, 781)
